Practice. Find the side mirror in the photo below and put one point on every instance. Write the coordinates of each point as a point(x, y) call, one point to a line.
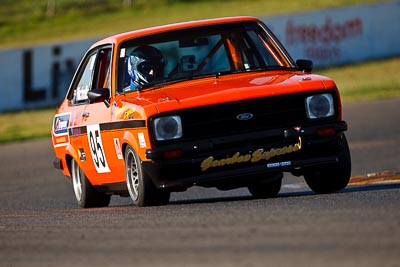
point(304, 65)
point(99, 95)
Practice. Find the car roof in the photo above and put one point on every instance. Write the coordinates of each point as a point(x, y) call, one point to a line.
point(176, 26)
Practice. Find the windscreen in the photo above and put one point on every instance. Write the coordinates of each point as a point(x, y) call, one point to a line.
point(199, 52)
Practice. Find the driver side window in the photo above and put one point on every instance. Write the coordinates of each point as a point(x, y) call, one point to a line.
point(85, 82)
point(93, 73)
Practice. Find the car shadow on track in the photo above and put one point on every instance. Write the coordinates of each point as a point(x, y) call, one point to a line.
point(302, 193)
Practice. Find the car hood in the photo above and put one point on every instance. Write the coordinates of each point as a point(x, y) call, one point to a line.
point(229, 88)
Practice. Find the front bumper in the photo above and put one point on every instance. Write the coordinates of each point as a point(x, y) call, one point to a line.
point(240, 159)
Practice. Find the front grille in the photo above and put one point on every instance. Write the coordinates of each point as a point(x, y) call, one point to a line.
point(268, 113)
point(221, 119)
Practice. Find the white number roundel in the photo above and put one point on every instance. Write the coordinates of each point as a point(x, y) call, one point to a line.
point(96, 148)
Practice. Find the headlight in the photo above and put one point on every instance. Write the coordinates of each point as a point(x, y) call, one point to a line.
point(320, 106)
point(167, 128)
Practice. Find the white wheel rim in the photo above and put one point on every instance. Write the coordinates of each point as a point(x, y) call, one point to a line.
point(132, 175)
point(77, 180)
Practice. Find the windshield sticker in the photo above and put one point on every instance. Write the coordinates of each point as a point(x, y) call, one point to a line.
point(122, 53)
point(253, 157)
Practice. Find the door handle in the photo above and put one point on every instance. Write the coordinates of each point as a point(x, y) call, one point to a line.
point(85, 115)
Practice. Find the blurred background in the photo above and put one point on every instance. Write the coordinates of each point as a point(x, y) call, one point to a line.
point(25, 22)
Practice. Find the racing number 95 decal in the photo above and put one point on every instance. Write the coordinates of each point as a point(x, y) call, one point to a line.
point(96, 148)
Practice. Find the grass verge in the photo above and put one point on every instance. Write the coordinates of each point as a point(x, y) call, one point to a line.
point(25, 22)
point(367, 81)
point(25, 125)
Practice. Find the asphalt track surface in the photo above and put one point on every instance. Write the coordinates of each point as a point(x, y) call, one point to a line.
point(41, 225)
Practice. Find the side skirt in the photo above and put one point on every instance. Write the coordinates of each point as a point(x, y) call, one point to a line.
point(114, 189)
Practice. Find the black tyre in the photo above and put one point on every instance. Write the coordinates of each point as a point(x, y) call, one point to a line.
point(140, 187)
point(86, 195)
point(267, 189)
point(332, 178)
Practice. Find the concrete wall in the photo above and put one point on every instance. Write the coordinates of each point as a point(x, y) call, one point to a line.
point(35, 77)
point(340, 36)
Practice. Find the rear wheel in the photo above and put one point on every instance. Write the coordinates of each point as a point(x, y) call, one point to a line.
point(86, 195)
point(332, 178)
point(140, 187)
point(267, 189)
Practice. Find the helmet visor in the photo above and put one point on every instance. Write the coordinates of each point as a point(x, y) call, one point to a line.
point(149, 70)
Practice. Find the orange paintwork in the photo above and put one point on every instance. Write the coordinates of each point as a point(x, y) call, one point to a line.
point(108, 146)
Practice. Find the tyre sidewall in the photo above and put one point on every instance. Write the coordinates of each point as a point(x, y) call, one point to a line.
point(148, 194)
point(334, 177)
point(90, 197)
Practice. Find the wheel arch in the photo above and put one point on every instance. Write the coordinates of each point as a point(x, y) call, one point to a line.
point(68, 161)
point(71, 154)
point(130, 139)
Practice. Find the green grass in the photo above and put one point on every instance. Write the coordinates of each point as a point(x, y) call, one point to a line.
point(17, 126)
point(26, 22)
point(367, 81)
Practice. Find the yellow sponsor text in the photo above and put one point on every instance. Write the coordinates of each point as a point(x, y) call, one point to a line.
point(253, 157)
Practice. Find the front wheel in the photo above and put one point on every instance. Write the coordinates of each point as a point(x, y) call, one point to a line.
point(86, 195)
point(267, 189)
point(141, 189)
point(332, 178)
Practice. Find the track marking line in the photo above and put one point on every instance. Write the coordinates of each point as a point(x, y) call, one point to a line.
point(375, 177)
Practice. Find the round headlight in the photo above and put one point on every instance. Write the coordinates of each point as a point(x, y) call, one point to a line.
point(167, 128)
point(320, 106)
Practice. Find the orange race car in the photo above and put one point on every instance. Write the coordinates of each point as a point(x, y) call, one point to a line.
point(213, 103)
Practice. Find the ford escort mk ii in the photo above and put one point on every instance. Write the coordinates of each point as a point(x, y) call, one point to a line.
point(213, 103)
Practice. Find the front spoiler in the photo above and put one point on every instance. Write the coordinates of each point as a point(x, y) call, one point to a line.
point(212, 144)
point(247, 175)
point(187, 170)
